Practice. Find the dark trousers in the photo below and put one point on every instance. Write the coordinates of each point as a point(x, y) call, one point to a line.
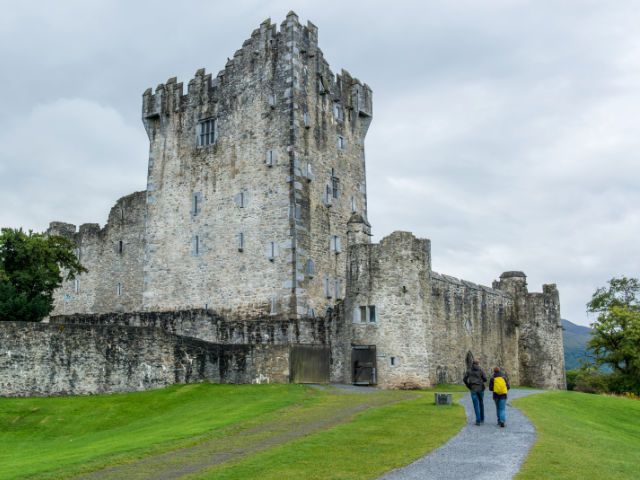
point(478, 405)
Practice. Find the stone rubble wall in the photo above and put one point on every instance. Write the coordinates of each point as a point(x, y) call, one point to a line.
point(108, 261)
point(38, 359)
point(210, 327)
point(541, 346)
point(432, 325)
point(471, 321)
point(392, 276)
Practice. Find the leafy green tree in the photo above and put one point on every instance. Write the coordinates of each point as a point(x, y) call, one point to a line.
point(31, 268)
point(616, 333)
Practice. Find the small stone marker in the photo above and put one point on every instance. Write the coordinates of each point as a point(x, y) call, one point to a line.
point(444, 399)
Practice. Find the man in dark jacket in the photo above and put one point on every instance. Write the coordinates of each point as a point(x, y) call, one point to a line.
point(499, 385)
point(474, 379)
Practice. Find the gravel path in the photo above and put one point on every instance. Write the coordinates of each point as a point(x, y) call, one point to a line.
point(479, 452)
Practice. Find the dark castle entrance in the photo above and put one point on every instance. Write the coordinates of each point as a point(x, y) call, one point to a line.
point(363, 364)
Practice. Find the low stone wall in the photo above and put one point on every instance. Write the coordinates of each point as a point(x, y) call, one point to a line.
point(47, 359)
point(211, 327)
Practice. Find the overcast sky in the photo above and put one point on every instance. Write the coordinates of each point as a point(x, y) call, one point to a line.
point(507, 132)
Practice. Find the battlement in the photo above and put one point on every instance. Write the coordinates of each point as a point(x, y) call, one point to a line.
point(441, 277)
point(292, 45)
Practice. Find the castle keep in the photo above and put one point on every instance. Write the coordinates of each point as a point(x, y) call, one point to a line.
point(248, 256)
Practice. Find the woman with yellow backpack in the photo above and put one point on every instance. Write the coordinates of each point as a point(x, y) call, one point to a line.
point(499, 385)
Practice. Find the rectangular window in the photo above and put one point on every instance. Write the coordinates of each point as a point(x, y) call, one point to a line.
point(341, 142)
point(119, 289)
point(328, 195)
point(271, 100)
point(271, 158)
point(120, 247)
point(196, 245)
point(338, 289)
point(392, 361)
point(76, 285)
point(372, 314)
point(241, 199)
point(335, 184)
point(196, 203)
point(327, 287)
point(338, 112)
point(207, 132)
point(271, 251)
point(295, 212)
point(363, 313)
point(310, 268)
point(306, 120)
point(240, 241)
point(336, 244)
point(353, 204)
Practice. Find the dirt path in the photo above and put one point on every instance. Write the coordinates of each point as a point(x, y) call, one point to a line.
point(291, 424)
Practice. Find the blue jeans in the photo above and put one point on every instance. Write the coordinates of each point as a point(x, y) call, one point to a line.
point(501, 409)
point(478, 405)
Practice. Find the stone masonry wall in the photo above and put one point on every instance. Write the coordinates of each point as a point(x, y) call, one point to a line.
point(331, 116)
point(210, 327)
point(46, 359)
point(429, 326)
point(237, 191)
point(541, 347)
point(392, 277)
point(470, 321)
point(113, 256)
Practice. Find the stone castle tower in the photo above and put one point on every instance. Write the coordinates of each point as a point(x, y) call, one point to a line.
point(253, 175)
point(253, 230)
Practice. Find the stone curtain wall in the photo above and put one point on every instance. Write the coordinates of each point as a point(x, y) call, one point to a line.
point(46, 359)
point(210, 327)
point(433, 324)
point(470, 318)
point(113, 256)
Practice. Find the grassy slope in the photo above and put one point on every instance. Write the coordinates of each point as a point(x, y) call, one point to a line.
point(57, 437)
point(63, 434)
point(582, 436)
point(374, 442)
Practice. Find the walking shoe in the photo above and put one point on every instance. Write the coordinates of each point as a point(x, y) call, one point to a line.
point(502, 424)
point(478, 423)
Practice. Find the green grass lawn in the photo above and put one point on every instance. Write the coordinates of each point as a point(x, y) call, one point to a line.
point(65, 434)
point(376, 441)
point(60, 437)
point(582, 436)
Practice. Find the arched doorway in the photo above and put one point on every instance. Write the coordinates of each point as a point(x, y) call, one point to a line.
point(469, 359)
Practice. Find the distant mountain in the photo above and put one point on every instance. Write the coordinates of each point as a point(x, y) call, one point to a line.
point(575, 339)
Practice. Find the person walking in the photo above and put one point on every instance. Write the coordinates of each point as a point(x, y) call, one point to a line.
point(499, 385)
point(474, 379)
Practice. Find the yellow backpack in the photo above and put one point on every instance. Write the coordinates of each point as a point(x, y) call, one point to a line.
point(499, 386)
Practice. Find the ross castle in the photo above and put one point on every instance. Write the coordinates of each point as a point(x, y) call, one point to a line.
point(248, 257)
